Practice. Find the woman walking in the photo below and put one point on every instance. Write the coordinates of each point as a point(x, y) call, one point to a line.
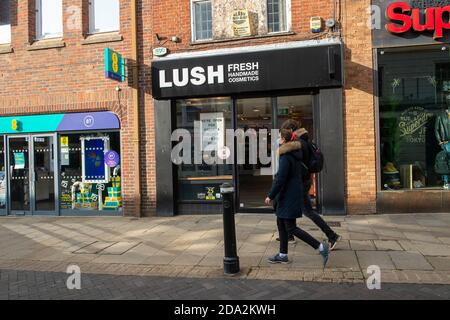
point(287, 194)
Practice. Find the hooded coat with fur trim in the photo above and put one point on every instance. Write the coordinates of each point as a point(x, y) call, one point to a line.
point(287, 187)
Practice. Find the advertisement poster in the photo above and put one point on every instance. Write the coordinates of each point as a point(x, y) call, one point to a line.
point(65, 200)
point(212, 130)
point(242, 23)
point(94, 168)
point(112, 159)
point(64, 142)
point(19, 160)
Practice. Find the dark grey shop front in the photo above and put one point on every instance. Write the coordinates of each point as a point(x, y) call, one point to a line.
point(255, 91)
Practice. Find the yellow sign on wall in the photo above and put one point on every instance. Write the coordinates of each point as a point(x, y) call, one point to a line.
point(64, 141)
point(242, 23)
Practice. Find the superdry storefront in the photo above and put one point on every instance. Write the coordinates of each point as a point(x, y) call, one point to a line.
point(254, 89)
point(412, 64)
point(60, 164)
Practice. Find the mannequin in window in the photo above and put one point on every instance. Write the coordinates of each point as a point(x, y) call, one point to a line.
point(442, 131)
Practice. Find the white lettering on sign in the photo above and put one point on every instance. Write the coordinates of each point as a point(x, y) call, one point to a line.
point(243, 72)
point(197, 76)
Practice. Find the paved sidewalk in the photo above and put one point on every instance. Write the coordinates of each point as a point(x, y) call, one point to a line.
point(408, 248)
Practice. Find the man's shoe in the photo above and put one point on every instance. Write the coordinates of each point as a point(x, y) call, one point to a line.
point(325, 253)
point(278, 259)
point(333, 242)
point(291, 240)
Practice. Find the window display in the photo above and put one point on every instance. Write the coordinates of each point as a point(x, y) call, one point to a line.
point(201, 182)
point(90, 171)
point(414, 99)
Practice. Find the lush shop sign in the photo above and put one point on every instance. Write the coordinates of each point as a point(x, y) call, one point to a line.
point(278, 69)
point(414, 22)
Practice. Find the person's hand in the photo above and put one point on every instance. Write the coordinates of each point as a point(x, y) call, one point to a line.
point(268, 201)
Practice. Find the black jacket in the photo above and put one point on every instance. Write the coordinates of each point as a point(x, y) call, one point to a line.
point(287, 187)
point(303, 137)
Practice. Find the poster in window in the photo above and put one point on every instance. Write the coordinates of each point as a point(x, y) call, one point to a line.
point(212, 131)
point(64, 142)
point(93, 159)
point(19, 160)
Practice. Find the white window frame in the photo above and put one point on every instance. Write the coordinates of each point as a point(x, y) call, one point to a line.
point(92, 29)
point(39, 35)
point(288, 19)
point(193, 29)
point(5, 30)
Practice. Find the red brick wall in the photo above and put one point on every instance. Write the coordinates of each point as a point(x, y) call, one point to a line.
point(360, 152)
point(71, 79)
point(172, 18)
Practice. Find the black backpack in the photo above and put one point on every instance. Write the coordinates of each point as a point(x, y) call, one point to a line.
point(316, 158)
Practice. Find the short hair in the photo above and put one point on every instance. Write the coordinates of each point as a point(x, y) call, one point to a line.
point(291, 124)
point(286, 134)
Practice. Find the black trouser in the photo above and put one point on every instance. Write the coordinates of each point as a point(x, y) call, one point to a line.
point(288, 227)
point(313, 215)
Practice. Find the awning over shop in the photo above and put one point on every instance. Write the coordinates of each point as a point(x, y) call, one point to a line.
point(59, 122)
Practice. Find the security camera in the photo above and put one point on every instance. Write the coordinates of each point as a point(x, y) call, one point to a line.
point(330, 23)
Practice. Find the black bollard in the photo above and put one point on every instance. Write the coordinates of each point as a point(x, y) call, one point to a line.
point(231, 260)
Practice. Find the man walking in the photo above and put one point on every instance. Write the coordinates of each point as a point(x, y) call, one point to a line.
point(300, 134)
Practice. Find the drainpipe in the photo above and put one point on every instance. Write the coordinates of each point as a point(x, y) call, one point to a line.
point(135, 97)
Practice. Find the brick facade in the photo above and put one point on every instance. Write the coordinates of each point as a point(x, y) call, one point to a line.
point(70, 78)
point(359, 133)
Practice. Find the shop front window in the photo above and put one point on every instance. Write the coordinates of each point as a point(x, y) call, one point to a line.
point(90, 176)
point(414, 104)
point(201, 181)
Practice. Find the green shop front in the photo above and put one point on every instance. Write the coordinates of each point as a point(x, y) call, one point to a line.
point(60, 164)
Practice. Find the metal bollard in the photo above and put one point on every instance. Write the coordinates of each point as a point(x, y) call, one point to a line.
point(231, 260)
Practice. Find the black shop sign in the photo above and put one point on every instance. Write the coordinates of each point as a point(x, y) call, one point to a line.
point(244, 72)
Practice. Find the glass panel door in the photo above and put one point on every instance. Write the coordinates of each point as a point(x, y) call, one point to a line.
point(300, 108)
point(19, 175)
point(3, 179)
point(254, 159)
point(44, 173)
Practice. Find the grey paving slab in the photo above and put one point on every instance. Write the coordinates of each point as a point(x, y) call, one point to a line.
point(362, 236)
point(387, 245)
point(119, 248)
point(343, 259)
point(439, 263)
point(95, 247)
point(378, 258)
point(431, 249)
point(409, 261)
point(362, 245)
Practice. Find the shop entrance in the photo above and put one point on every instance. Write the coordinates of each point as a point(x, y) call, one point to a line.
point(257, 117)
point(32, 183)
point(254, 177)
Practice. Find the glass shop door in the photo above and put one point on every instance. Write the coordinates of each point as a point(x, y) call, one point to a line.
point(32, 181)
